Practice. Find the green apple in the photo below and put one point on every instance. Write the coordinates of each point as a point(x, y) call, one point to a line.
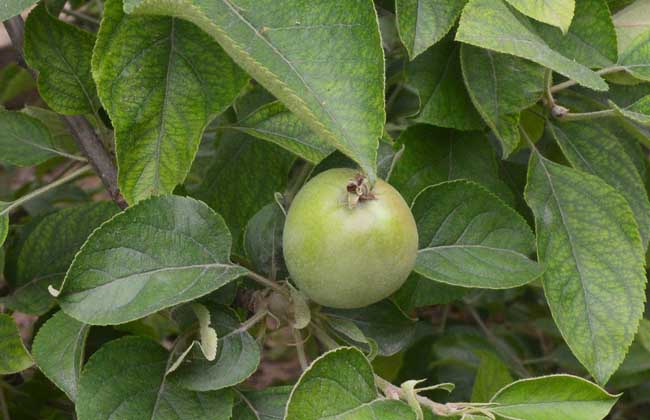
point(346, 245)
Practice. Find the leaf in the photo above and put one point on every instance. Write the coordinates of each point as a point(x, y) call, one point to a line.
point(501, 86)
point(25, 141)
point(591, 40)
point(644, 333)
point(636, 58)
point(593, 148)
point(638, 111)
point(238, 358)
point(126, 379)
point(422, 23)
point(159, 253)
point(161, 87)
point(333, 79)
point(419, 291)
point(235, 192)
point(594, 280)
point(13, 355)
point(554, 396)
point(491, 376)
point(382, 322)
point(61, 54)
point(554, 12)
point(631, 22)
point(11, 8)
point(61, 136)
point(340, 384)
point(433, 155)
point(47, 253)
point(14, 81)
point(266, 404)
point(437, 76)
point(263, 241)
point(470, 238)
point(58, 350)
point(273, 122)
point(493, 25)
point(207, 334)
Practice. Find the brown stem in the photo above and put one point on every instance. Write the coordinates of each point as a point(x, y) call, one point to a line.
point(83, 132)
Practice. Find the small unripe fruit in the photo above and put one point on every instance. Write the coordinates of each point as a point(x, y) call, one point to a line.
point(347, 246)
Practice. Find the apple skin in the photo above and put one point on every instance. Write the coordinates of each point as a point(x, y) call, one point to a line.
point(345, 257)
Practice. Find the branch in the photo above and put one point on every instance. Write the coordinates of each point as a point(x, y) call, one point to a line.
point(82, 131)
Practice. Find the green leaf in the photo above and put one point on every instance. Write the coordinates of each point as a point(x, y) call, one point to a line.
point(340, 384)
point(493, 25)
point(238, 358)
point(501, 86)
point(14, 81)
point(631, 22)
point(591, 40)
point(25, 141)
point(638, 111)
point(437, 76)
point(161, 87)
point(554, 12)
point(419, 291)
point(58, 350)
point(11, 8)
point(273, 122)
point(47, 253)
point(644, 334)
point(636, 58)
point(126, 379)
point(266, 404)
point(553, 397)
point(422, 23)
point(61, 136)
point(263, 241)
point(383, 322)
point(154, 255)
point(61, 54)
point(593, 148)
point(491, 376)
point(333, 79)
point(13, 355)
point(594, 280)
point(433, 155)
point(470, 238)
point(236, 192)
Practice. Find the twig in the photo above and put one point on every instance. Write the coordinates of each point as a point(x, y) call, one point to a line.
point(392, 390)
point(602, 72)
point(91, 146)
point(25, 198)
point(250, 322)
point(83, 132)
point(266, 282)
point(569, 116)
point(548, 94)
point(81, 16)
point(300, 348)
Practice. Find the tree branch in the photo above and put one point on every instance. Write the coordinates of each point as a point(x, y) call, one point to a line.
point(83, 132)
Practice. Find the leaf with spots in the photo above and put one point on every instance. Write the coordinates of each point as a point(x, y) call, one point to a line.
point(594, 281)
point(161, 80)
point(333, 79)
point(501, 87)
point(61, 54)
point(422, 23)
point(494, 25)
